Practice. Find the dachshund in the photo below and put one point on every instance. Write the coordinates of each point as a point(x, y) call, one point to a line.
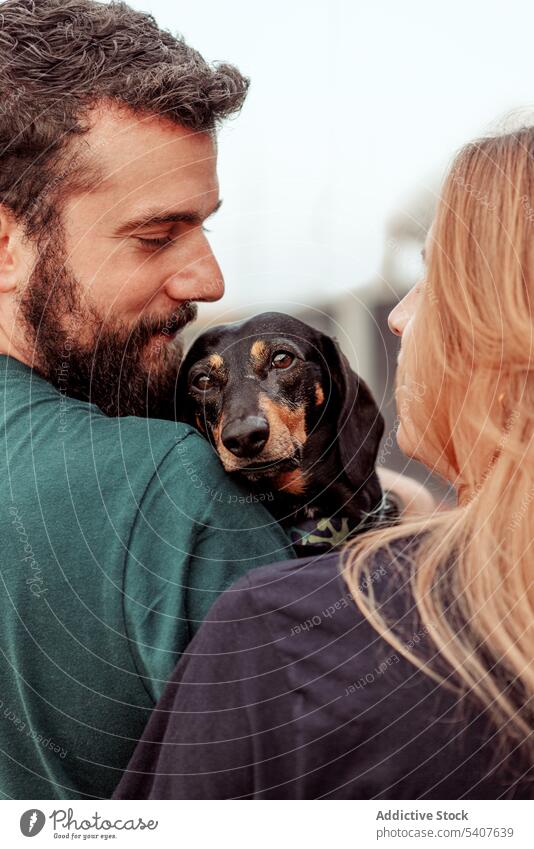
point(284, 411)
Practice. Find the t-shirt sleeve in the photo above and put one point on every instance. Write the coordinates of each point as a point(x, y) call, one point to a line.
point(196, 532)
point(203, 737)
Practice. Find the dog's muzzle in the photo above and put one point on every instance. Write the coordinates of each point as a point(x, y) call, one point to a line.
point(246, 438)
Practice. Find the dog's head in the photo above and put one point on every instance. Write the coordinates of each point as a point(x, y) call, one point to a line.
point(272, 395)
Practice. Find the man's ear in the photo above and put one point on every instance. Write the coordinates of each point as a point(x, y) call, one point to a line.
point(14, 265)
point(360, 425)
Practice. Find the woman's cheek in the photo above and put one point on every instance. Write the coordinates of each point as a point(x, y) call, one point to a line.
point(406, 435)
point(408, 392)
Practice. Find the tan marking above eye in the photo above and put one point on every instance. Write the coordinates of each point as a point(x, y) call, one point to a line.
point(258, 352)
point(319, 395)
point(216, 361)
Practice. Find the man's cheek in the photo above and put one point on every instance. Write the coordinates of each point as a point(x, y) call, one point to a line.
point(115, 277)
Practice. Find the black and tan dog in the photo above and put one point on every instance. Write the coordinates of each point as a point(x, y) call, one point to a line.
point(283, 409)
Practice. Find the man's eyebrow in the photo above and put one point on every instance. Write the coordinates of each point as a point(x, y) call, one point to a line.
point(155, 216)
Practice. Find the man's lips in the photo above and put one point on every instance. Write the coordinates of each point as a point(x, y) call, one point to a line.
point(175, 323)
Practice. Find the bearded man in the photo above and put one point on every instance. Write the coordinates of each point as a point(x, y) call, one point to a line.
point(118, 530)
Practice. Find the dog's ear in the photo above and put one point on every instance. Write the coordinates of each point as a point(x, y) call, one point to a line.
point(360, 425)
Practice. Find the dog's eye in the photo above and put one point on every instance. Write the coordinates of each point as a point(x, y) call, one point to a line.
point(282, 359)
point(203, 382)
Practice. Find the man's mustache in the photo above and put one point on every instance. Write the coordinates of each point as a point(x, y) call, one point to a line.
point(147, 327)
point(179, 319)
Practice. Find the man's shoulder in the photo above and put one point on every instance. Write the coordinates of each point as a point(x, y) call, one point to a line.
point(70, 426)
point(144, 440)
point(155, 437)
point(182, 467)
point(190, 476)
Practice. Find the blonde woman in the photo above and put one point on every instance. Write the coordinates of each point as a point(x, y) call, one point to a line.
point(404, 668)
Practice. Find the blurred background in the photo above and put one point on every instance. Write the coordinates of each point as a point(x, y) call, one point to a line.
point(331, 173)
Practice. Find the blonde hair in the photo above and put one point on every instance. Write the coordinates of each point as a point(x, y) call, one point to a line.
point(470, 572)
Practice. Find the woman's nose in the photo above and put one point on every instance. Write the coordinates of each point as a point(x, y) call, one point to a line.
point(397, 319)
point(401, 314)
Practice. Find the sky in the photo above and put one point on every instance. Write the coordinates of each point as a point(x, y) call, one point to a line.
point(354, 107)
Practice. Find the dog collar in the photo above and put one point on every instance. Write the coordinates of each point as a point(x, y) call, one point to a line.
point(324, 533)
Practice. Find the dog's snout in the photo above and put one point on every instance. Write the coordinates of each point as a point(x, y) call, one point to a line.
point(246, 437)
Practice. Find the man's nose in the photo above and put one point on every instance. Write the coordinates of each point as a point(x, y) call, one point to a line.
point(200, 279)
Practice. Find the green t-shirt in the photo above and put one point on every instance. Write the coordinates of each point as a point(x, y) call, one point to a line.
point(117, 537)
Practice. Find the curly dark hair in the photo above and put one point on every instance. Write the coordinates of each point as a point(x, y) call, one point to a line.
point(58, 59)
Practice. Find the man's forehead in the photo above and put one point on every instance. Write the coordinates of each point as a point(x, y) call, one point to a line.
point(144, 162)
point(125, 145)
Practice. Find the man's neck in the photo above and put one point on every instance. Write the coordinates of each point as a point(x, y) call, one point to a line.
point(9, 347)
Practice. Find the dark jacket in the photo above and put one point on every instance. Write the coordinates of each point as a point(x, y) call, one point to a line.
point(288, 692)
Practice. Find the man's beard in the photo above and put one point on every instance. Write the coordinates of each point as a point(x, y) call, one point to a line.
point(117, 369)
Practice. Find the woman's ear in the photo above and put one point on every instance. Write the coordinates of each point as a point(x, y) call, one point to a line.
point(360, 425)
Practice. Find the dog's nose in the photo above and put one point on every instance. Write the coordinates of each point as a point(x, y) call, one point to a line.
point(246, 437)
